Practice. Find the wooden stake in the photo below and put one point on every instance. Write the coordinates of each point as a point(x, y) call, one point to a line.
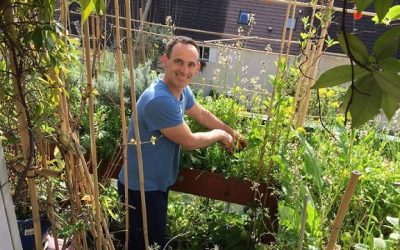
point(123, 119)
point(314, 68)
point(135, 123)
point(24, 132)
point(289, 43)
point(93, 153)
point(344, 205)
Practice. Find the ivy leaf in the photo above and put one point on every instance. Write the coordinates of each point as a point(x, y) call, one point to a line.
point(387, 44)
point(389, 105)
point(382, 7)
point(357, 47)
point(366, 100)
point(388, 82)
point(362, 4)
point(338, 75)
point(390, 64)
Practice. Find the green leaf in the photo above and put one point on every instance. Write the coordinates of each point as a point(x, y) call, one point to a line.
point(289, 217)
point(393, 13)
point(37, 38)
point(313, 219)
point(390, 104)
point(366, 100)
point(87, 6)
point(100, 6)
point(387, 44)
point(360, 246)
point(394, 221)
point(382, 7)
point(362, 4)
point(395, 236)
point(313, 167)
point(338, 75)
point(357, 47)
point(388, 82)
point(379, 243)
point(390, 64)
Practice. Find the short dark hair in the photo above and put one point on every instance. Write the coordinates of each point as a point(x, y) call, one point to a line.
point(179, 39)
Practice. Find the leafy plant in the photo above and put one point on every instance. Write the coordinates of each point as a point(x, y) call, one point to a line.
point(374, 79)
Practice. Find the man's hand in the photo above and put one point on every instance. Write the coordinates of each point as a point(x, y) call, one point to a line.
point(239, 142)
point(226, 140)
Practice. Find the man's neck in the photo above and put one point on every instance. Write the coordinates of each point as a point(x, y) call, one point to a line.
point(177, 92)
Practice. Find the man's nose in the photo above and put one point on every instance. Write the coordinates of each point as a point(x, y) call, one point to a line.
point(184, 68)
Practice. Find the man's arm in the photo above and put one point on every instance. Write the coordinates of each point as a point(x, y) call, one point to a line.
point(210, 121)
point(182, 135)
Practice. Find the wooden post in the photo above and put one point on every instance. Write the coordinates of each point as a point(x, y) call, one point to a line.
point(314, 69)
point(122, 111)
point(24, 130)
point(93, 153)
point(135, 122)
point(344, 205)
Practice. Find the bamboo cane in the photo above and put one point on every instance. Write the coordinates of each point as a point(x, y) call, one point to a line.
point(306, 93)
point(344, 205)
point(135, 123)
point(123, 119)
point(92, 132)
point(42, 149)
point(141, 38)
point(291, 29)
point(303, 223)
point(25, 133)
point(305, 68)
point(314, 70)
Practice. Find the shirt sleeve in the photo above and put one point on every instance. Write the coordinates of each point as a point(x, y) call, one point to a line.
point(190, 98)
point(162, 112)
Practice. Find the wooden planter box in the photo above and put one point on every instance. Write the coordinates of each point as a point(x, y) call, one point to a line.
point(216, 186)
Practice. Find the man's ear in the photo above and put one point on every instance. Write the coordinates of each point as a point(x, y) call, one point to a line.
point(198, 67)
point(164, 59)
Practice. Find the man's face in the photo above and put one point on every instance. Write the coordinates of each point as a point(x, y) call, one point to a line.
point(182, 65)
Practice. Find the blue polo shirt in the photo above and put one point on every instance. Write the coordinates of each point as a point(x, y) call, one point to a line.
point(157, 108)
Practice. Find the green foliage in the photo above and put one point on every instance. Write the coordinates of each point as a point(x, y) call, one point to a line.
point(200, 223)
point(375, 80)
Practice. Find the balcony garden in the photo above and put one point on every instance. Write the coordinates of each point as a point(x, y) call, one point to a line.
point(321, 169)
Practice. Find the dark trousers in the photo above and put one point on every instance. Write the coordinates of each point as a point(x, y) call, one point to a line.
point(156, 208)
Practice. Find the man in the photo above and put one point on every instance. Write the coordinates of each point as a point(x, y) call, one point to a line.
point(163, 131)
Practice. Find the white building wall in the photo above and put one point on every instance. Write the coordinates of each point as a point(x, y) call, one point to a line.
point(9, 235)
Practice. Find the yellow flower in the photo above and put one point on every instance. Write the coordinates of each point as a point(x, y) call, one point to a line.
point(339, 118)
point(301, 130)
point(334, 105)
point(330, 93)
point(322, 92)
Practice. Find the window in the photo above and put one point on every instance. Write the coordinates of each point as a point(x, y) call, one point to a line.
point(291, 23)
point(244, 17)
point(204, 53)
